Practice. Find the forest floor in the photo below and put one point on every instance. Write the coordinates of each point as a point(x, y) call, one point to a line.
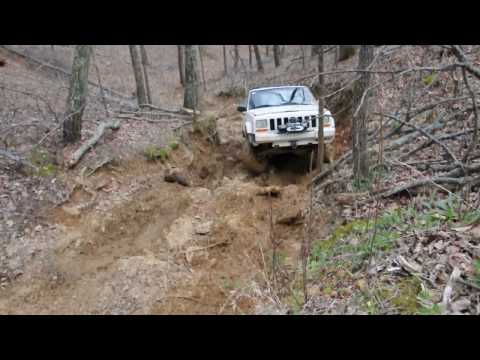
point(128, 242)
point(112, 236)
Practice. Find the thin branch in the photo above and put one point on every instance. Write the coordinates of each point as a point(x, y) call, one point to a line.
point(431, 137)
point(473, 144)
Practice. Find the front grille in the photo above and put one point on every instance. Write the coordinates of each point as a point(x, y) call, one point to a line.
point(275, 123)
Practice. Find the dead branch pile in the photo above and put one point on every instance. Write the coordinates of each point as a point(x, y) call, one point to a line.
point(431, 127)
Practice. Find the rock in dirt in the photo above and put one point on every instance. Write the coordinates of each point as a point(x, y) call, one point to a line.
point(293, 218)
point(175, 176)
point(196, 255)
point(204, 172)
point(200, 195)
point(181, 232)
point(170, 178)
point(409, 266)
point(292, 214)
point(71, 210)
point(182, 180)
point(203, 228)
point(460, 305)
point(269, 191)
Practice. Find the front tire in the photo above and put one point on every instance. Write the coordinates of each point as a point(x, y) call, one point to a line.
point(250, 159)
point(328, 154)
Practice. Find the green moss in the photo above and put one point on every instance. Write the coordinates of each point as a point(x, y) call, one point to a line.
point(406, 301)
point(429, 79)
point(47, 170)
point(477, 271)
point(343, 231)
point(153, 153)
point(173, 145)
point(426, 306)
point(324, 250)
point(295, 301)
point(207, 126)
point(42, 159)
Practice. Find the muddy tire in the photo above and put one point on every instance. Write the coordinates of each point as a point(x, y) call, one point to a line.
point(251, 161)
point(328, 155)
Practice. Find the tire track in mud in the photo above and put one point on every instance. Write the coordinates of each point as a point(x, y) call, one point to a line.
point(203, 249)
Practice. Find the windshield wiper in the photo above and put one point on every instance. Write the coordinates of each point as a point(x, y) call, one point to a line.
point(294, 103)
point(262, 106)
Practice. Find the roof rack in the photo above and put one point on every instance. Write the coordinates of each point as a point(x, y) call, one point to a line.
point(273, 87)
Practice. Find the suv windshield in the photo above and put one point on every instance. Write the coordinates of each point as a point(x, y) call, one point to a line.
point(280, 96)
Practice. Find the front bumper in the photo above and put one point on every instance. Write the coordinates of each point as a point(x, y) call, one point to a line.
point(309, 137)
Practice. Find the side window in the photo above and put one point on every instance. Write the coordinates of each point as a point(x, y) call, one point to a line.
point(251, 104)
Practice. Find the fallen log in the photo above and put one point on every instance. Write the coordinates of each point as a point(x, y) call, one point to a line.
point(77, 155)
point(431, 137)
point(393, 145)
point(430, 142)
point(330, 170)
point(16, 159)
point(131, 117)
point(458, 172)
point(433, 180)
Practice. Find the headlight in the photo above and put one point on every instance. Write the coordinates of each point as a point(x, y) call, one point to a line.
point(328, 121)
point(261, 124)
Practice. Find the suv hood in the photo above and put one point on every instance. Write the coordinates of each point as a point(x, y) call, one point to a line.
point(284, 109)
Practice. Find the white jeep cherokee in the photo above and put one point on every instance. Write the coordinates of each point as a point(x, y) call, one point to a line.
point(283, 119)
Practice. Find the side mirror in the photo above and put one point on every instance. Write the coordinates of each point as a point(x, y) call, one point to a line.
point(241, 108)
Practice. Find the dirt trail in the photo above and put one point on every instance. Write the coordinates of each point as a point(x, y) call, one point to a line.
point(170, 249)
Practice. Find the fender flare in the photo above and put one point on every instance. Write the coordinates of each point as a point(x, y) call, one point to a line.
point(248, 128)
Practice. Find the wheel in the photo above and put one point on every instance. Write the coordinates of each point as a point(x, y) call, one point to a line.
point(328, 154)
point(250, 160)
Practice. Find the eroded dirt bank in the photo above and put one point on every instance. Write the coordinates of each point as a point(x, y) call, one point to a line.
point(131, 243)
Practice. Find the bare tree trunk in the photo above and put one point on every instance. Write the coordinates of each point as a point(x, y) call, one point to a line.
point(143, 55)
point(143, 51)
point(302, 49)
point(380, 145)
point(77, 95)
point(266, 50)
point(276, 55)
point(139, 76)
point(314, 50)
point(237, 57)
point(321, 107)
point(337, 54)
point(345, 52)
point(204, 80)
point(99, 78)
point(258, 58)
point(190, 100)
point(250, 56)
point(181, 64)
point(359, 126)
point(225, 66)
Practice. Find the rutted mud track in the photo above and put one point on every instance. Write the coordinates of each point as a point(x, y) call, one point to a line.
point(202, 249)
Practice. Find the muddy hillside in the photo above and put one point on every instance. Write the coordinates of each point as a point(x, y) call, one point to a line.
point(131, 240)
